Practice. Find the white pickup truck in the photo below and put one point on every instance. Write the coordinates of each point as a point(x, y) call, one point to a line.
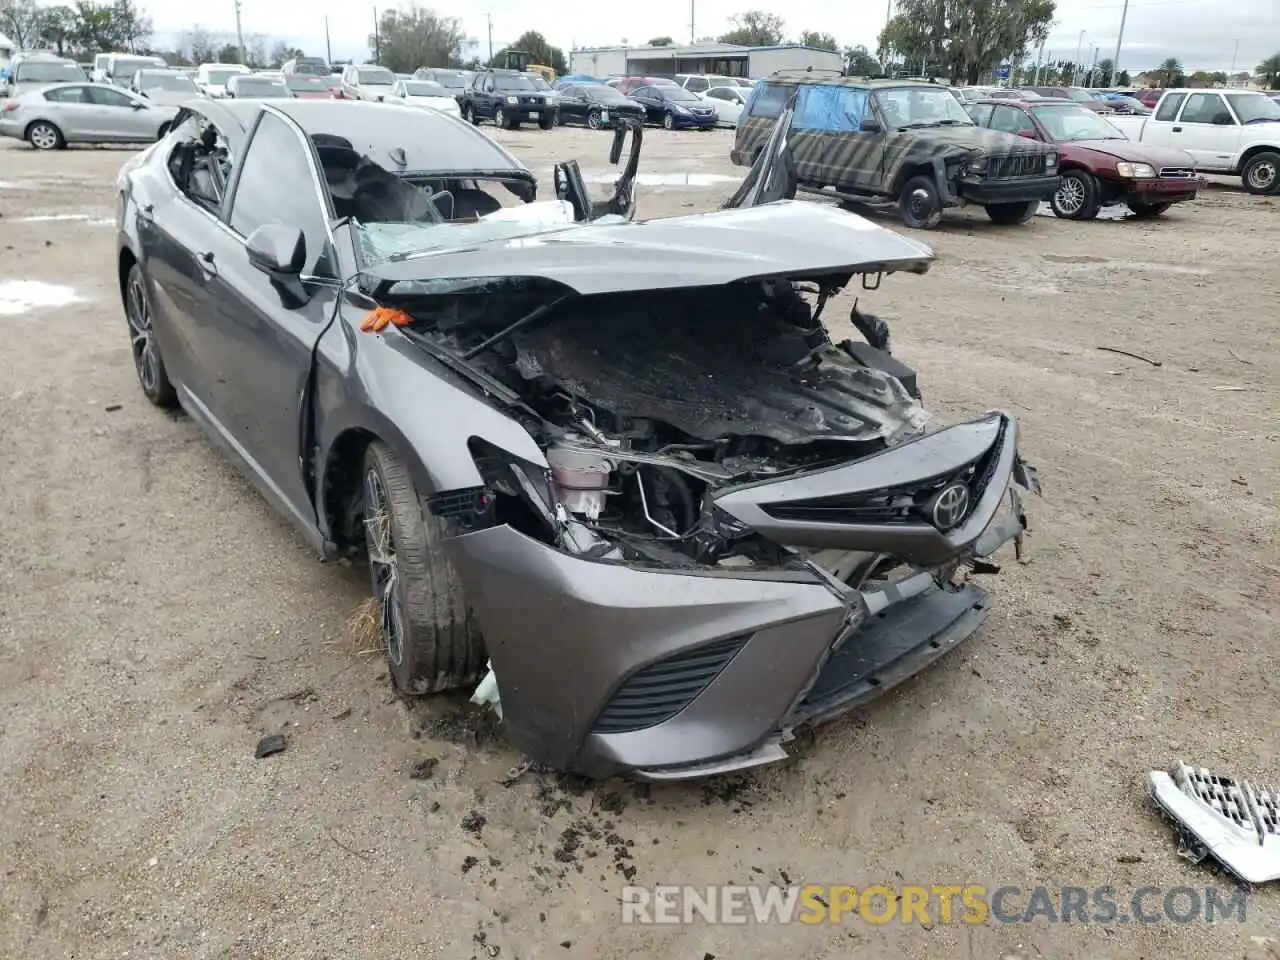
point(1226, 131)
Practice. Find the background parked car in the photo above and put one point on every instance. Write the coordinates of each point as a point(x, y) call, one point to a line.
point(508, 98)
point(306, 67)
point(249, 86)
point(166, 87)
point(595, 105)
point(455, 81)
point(1080, 95)
point(702, 82)
point(366, 81)
point(122, 66)
point(1126, 105)
point(675, 107)
point(212, 77)
point(426, 94)
point(30, 73)
point(728, 102)
point(309, 86)
point(1098, 164)
point(628, 84)
point(53, 116)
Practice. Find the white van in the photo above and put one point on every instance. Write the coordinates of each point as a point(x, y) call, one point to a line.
point(212, 78)
point(120, 67)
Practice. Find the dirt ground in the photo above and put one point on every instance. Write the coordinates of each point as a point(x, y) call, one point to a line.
point(157, 619)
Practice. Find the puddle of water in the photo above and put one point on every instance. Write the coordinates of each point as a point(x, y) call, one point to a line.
point(66, 217)
point(21, 296)
point(1117, 211)
point(669, 179)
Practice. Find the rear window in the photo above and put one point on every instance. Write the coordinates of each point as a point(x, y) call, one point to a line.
point(377, 76)
point(768, 100)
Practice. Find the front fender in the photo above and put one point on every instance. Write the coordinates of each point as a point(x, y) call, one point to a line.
point(383, 384)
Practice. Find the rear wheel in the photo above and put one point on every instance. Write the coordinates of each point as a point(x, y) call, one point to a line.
point(1076, 197)
point(1009, 214)
point(1261, 173)
point(919, 204)
point(469, 115)
point(43, 135)
point(669, 121)
point(1147, 210)
point(147, 362)
point(432, 640)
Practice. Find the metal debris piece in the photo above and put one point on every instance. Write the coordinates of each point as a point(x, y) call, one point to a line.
point(275, 743)
point(1234, 821)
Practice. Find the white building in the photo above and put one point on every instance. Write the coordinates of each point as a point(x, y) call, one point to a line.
point(722, 58)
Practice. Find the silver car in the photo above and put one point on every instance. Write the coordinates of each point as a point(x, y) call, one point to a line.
point(32, 72)
point(52, 117)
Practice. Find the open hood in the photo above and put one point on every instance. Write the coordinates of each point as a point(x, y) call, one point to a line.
point(794, 238)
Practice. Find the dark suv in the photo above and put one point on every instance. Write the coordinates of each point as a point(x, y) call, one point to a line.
point(898, 143)
point(508, 98)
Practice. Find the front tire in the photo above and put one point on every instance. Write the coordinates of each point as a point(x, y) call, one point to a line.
point(1261, 174)
point(919, 204)
point(433, 642)
point(547, 121)
point(1147, 211)
point(147, 362)
point(593, 120)
point(43, 135)
point(1011, 214)
point(469, 115)
point(668, 121)
point(1076, 197)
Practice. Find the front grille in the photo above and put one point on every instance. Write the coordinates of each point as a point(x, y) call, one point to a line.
point(1177, 173)
point(658, 692)
point(1016, 165)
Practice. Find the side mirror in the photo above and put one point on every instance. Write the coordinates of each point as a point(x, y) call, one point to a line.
point(870, 126)
point(277, 250)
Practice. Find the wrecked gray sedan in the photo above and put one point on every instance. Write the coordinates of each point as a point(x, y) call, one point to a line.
point(621, 462)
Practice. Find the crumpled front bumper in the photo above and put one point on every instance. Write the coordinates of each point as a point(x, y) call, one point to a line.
point(606, 668)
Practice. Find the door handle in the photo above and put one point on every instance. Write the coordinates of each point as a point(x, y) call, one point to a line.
point(1177, 129)
point(207, 266)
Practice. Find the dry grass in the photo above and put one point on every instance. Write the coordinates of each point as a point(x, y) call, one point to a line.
point(363, 636)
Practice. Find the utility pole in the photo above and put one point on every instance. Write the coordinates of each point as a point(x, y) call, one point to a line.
point(693, 19)
point(377, 38)
point(1233, 60)
point(1115, 61)
point(328, 48)
point(1075, 64)
point(239, 33)
point(1039, 60)
point(1094, 67)
point(489, 17)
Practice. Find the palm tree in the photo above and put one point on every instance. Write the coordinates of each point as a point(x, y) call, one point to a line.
point(1102, 73)
point(1269, 71)
point(1169, 72)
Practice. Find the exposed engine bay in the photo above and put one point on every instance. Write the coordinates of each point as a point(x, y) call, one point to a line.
point(646, 403)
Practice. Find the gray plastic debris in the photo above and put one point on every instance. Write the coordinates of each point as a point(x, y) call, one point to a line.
point(1234, 821)
point(269, 745)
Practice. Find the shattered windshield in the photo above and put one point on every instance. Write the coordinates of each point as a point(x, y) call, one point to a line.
point(905, 107)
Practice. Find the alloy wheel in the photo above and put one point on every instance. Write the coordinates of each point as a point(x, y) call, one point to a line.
point(1262, 176)
point(500, 118)
point(380, 546)
point(1070, 196)
point(593, 120)
point(43, 137)
point(669, 122)
point(141, 340)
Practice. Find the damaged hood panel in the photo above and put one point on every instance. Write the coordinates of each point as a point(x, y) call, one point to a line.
point(788, 238)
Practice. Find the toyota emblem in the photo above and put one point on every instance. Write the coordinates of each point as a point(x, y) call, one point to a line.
point(950, 506)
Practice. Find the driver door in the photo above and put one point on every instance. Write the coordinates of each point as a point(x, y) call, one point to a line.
point(258, 341)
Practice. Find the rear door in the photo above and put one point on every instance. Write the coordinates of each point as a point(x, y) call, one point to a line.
point(573, 104)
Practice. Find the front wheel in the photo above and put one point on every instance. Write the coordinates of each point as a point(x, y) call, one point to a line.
point(1009, 214)
point(1261, 174)
point(669, 121)
point(45, 136)
point(433, 642)
point(919, 204)
point(1146, 211)
point(469, 115)
point(147, 362)
point(1076, 197)
point(547, 121)
point(593, 120)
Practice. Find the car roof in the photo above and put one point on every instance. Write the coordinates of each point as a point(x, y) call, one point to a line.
point(454, 146)
point(858, 83)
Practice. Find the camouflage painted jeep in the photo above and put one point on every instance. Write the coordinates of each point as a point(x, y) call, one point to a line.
point(898, 143)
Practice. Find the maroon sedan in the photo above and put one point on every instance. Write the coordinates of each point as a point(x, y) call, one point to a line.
point(1099, 165)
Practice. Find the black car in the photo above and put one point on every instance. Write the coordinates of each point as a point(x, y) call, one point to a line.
point(455, 81)
point(508, 98)
point(674, 107)
point(596, 105)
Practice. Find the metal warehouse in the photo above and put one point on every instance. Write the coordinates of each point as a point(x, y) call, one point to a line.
point(722, 58)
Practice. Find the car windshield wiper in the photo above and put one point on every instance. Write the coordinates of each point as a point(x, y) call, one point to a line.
point(958, 123)
point(1262, 120)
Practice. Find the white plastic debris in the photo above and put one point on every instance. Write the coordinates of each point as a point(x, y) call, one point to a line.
point(487, 691)
point(1234, 821)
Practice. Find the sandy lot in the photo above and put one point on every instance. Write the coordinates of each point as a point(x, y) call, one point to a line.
point(156, 619)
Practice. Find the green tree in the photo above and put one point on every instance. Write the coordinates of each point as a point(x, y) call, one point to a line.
point(859, 62)
point(1169, 73)
point(198, 46)
point(21, 21)
point(58, 29)
point(104, 27)
point(966, 39)
point(1123, 80)
point(1269, 71)
point(661, 42)
point(228, 53)
point(755, 28)
point(821, 41)
point(539, 51)
point(414, 36)
point(1201, 78)
point(1103, 71)
point(282, 52)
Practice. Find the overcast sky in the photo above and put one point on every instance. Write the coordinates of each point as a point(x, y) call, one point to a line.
point(1201, 33)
